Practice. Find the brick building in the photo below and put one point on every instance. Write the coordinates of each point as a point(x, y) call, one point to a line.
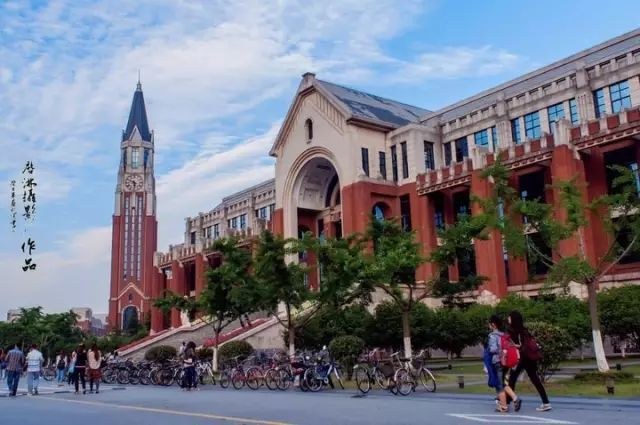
point(343, 154)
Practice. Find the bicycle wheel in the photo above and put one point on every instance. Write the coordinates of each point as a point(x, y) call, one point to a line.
point(403, 382)
point(380, 380)
point(254, 377)
point(271, 379)
point(363, 380)
point(427, 380)
point(134, 377)
point(312, 380)
point(224, 379)
point(123, 377)
point(336, 373)
point(238, 380)
point(166, 377)
point(145, 376)
point(285, 380)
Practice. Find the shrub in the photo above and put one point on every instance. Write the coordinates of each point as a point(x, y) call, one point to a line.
point(556, 345)
point(205, 353)
point(595, 377)
point(330, 323)
point(345, 349)
point(233, 349)
point(160, 353)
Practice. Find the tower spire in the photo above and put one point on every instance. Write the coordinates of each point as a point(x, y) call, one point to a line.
point(137, 116)
point(139, 86)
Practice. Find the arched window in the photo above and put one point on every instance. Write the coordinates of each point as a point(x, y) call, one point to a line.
point(308, 128)
point(378, 211)
point(130, 318)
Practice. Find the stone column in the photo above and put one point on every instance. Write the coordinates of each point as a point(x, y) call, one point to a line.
point(424, 225)
point(489, 254)
point(157, 322)
point(201, 268)
point(518, 273)
point(177, 286)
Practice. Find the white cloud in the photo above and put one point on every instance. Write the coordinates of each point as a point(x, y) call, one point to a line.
point(201, 183)
point(75, 275)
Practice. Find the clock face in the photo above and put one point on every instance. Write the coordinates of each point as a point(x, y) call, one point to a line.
point(133, 182)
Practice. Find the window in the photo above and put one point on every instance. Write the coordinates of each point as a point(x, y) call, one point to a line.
point(462, 150)
point(438, 210)
point(532, 125)
point(378, 212)
point(272, 208)
point(308, 129)
point(598, 102)
point(243, 221)
point(382, 160)
point(556, 113)
point(494, 138)
point(481, 138)
point(365, 160)
point(207, 232)
point(262, 213)
point(620, 97)
point(233, 223)
point(135, 157)
point(429, 161)
point(146, 157)
point(405, 213)
point(573, 111)
point(216, 231)
point(405, 160)
point(461, 204)
point(193, 238)
point(447, 153)
point(394, 163)
point(124, 157)
point(515, 131)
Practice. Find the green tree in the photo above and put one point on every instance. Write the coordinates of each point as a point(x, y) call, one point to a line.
point(457, 329)
point(620, 314)
point(228, 295)
point(556, 345)
point(504, 210)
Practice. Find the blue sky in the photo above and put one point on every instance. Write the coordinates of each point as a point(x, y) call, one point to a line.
point(218, 77)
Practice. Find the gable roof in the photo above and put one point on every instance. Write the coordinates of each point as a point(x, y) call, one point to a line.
point(371, 107)
point(137, 117)
point(354, 105)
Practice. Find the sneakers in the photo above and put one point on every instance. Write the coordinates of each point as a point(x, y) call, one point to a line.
point(544, 408)
point(517, 404)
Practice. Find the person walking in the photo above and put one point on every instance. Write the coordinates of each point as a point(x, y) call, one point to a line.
point(529, 356)
point(501, 385)
point(61, 366)
point(189, 366)
point(94, 357)
point(71, 368)
point(80, 364)
point(15, 365)
point(34, 369)
point(3, 365)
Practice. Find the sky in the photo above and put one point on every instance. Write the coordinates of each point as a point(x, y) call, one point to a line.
point(218, 78)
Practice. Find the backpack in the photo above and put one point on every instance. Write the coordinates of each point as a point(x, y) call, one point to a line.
point(531, 349)
point(61, 364)
point(509, 353)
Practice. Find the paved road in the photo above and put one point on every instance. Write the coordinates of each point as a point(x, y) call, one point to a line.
point(160, 406)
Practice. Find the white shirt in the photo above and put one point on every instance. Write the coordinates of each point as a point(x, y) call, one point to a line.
point(34, 361)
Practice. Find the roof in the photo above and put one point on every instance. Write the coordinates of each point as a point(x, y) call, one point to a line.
point(137, 117)
point(562, 68)
point(370, 107)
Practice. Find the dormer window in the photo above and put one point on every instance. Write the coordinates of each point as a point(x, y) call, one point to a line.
point(308, 129)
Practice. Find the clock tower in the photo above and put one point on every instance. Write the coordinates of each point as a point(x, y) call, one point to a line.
point(135, 229)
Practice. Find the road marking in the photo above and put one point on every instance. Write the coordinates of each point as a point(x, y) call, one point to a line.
point(167, 411)
point(510, 419)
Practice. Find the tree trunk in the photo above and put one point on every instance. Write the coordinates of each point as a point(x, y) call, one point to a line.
point(406, 334)
point(598, 347)
point(215, 358)
point(292, 341)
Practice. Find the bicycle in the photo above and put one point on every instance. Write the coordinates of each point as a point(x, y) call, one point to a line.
point(373, 370)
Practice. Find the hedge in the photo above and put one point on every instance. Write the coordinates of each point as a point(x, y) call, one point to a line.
point(233, 349)
point(160, 353)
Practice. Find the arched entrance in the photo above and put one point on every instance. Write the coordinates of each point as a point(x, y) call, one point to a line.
point(315, 200)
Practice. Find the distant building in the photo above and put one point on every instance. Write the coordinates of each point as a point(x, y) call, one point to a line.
point(13, 315)
point(88, 322)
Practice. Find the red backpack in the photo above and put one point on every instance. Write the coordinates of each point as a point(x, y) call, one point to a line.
point(509, 353)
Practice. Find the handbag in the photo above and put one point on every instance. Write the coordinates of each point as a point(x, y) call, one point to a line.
point(72, 368)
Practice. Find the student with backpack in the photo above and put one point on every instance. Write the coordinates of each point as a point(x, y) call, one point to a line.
point(61, 366)
point(530, 355)
point(503, 355)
